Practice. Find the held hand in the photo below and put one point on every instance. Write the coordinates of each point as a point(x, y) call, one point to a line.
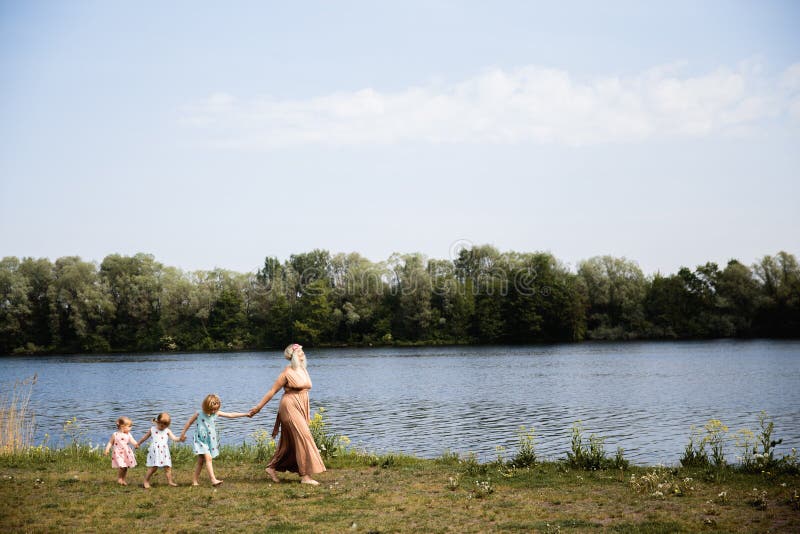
point(252, 412)
point(182, 439)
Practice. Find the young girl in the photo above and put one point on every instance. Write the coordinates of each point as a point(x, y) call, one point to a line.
point(122, 458)
point(206, 445)
point(158, 452)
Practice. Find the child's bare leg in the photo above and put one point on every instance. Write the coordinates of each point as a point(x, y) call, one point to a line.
point(197, 468)
point(168, 472)
point(147, 476)
point(210, 469)
point(123, 472)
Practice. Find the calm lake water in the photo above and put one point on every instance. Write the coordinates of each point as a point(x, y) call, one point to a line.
point(642, 396)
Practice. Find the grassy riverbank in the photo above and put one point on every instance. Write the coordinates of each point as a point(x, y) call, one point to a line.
point(75, 490)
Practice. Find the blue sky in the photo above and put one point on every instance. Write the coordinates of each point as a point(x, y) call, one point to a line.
point(214, 135)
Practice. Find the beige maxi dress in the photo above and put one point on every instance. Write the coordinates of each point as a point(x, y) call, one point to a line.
point(296, 450)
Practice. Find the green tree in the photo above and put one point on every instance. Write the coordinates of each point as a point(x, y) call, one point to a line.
point(413, 287)
point(81, 307)
point(615, 288)
point(779, 311)
point(452, 303)
point(310, 267)
point(359, 288)
point(134, 285)
point(179, 308)
point(544, 301)
point(482, 276)
point(314, 321)
point(227, 320)
point(15, 306)
point(738, 297)
point(39, 275)
point(271, 311)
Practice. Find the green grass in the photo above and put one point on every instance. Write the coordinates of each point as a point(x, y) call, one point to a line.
point(47, 490)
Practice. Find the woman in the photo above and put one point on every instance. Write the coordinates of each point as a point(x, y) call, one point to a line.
point(296, 451)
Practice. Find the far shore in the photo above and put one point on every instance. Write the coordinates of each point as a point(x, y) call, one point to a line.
point(402, 344)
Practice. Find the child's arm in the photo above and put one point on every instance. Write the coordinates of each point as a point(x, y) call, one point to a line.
point(133, 440)
point(108, 446)
point(172, 436)
point(233, 415)
point(186, 427)
point(145, 437)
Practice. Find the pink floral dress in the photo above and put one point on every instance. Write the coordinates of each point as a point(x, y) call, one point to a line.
point(121, 452)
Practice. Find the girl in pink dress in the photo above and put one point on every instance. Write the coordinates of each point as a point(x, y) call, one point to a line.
point(122, 456)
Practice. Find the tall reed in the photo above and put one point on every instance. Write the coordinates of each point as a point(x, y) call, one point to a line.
point(17, 421)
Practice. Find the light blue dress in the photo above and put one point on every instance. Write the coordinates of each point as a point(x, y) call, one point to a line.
point(205, 435)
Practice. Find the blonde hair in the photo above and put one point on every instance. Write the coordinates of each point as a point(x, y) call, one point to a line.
point(163, 418)
point(290, 353)
point(123, 421)
point(211, 403)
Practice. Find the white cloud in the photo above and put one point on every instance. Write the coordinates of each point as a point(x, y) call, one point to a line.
point(527, 105)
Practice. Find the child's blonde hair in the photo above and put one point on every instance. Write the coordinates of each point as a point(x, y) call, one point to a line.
point(211, 403)
point(123, 421)
point(163, 418)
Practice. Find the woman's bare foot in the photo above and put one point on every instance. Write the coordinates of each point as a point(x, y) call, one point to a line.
point(271, 474)
point(309, 480)
point(146, 484)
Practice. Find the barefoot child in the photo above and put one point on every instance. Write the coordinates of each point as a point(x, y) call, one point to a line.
point(205, 444)
point(158, 452)
point(122, 458)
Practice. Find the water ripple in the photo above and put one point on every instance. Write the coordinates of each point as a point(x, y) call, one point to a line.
point(643, 397)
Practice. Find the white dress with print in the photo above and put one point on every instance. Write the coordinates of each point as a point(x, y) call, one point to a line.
point(158, 453)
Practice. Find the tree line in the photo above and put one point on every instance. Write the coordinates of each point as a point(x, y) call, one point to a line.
point(134, 303)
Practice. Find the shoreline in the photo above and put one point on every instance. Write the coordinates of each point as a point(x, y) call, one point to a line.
point(410, 344)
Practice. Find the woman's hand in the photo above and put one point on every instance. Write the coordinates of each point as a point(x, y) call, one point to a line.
point(254, 410)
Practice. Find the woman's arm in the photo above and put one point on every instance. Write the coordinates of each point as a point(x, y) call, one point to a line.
point(233, 415)
point(186, 426)
point(279, 383)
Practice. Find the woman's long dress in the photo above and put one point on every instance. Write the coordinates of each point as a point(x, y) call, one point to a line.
point(296, 451)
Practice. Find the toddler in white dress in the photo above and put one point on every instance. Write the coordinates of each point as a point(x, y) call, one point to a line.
point(158, 452)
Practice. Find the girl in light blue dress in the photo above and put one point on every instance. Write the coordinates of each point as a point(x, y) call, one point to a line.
point(206, 443)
